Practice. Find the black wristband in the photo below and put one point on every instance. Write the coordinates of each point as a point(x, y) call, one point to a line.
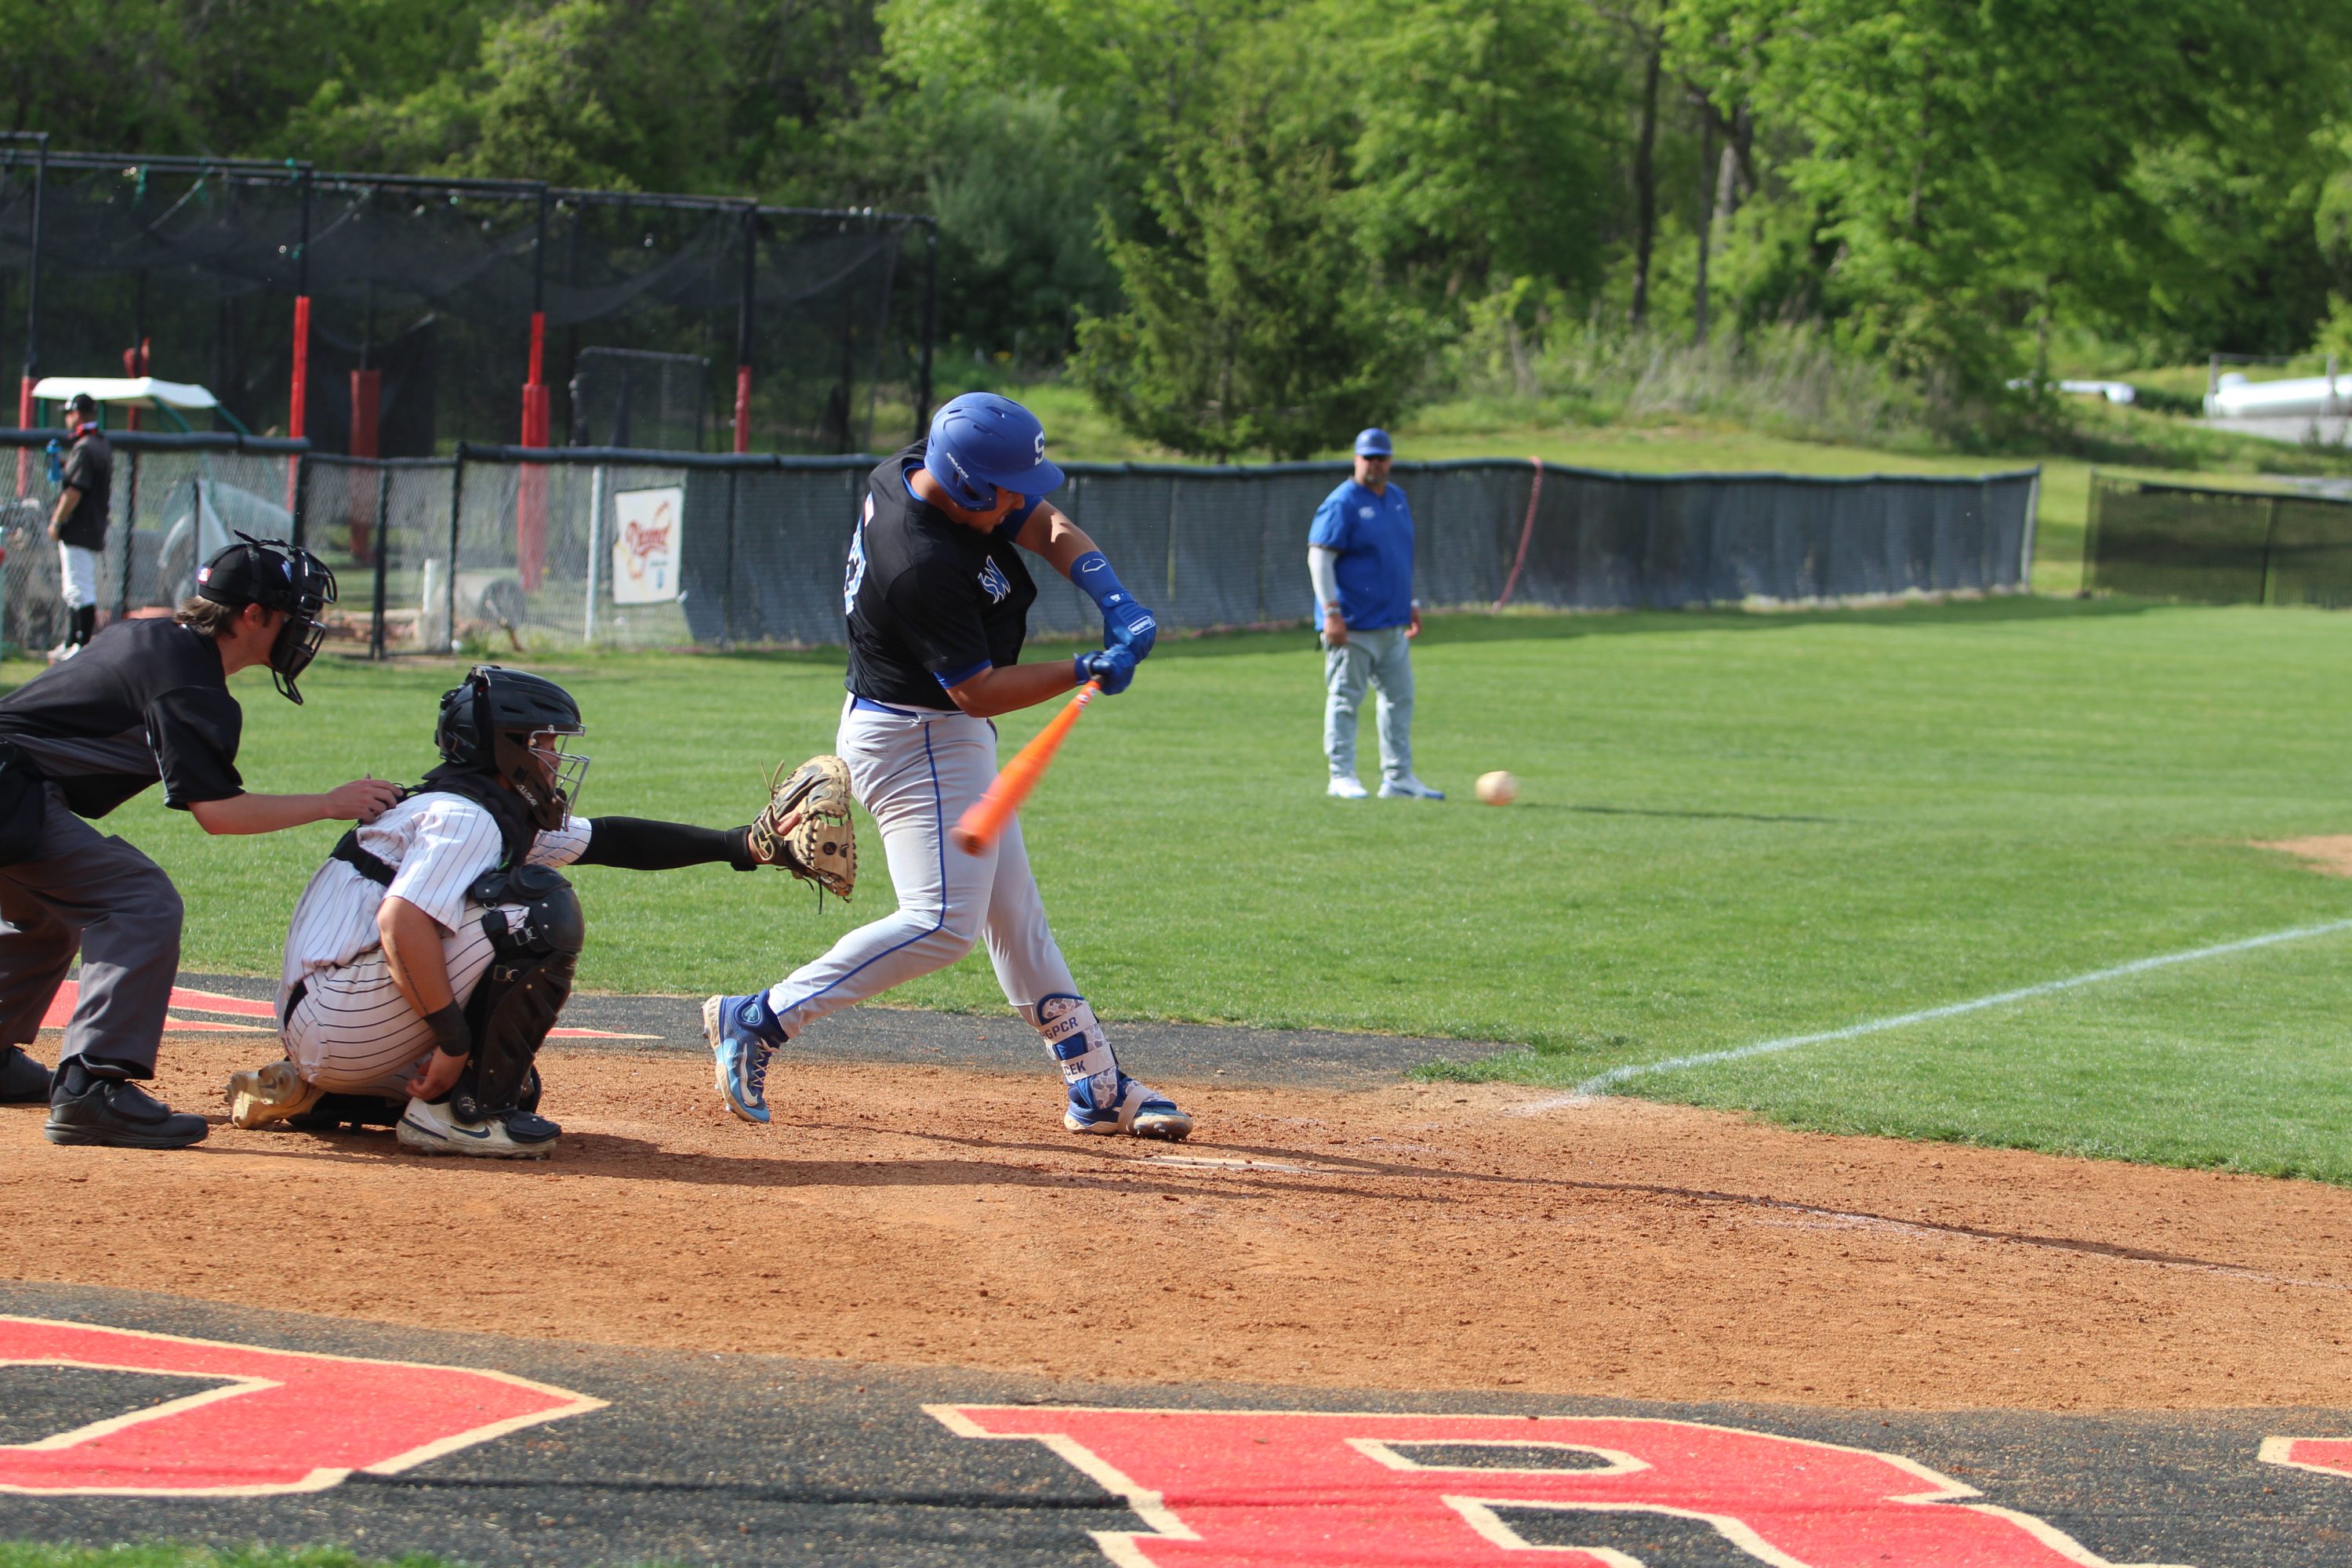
point(451, 1034)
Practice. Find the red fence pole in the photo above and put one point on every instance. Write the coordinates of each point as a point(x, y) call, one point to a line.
point(298, 395)
point(530, 486)
point(742, 407)
point(1527, 531)
point(24, 422)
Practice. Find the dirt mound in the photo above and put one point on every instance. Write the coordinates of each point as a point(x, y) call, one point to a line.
point(1406, 1238)
point(2329, 854)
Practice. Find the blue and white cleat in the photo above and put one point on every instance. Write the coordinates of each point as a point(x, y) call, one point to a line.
point(1408, 788)
point(743, 1034)
point(1145, 1113)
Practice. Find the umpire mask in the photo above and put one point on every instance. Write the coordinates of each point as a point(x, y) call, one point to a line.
point(276, 576)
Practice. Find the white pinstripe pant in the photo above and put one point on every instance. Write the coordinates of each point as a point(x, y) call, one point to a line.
point(353, 1033)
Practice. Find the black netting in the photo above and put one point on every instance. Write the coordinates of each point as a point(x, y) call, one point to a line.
point(2171, 541)
point(422, 292)
point(641, 398)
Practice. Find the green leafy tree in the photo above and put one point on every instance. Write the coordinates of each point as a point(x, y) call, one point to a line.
point(1255, 320)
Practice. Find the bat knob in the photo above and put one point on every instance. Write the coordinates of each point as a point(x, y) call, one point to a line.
point(966, 840)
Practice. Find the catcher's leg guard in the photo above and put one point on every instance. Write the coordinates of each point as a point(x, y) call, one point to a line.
point(1080, 1048)
point(537, 930)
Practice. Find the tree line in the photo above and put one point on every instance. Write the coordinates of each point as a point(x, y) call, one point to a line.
point(1251, 225)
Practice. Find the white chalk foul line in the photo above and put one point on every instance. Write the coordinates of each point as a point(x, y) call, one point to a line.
point(1603, 1082)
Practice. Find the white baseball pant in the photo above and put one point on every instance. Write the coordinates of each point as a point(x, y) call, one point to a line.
point(353, 1033)
point(916, 774)
point(76, 575)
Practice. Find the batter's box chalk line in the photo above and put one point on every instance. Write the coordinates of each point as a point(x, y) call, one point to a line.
point(1600, 1084)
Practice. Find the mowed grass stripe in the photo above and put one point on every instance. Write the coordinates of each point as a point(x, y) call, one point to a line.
point(1734, 827)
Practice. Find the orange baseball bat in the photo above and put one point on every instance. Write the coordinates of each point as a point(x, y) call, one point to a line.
point(978, 827)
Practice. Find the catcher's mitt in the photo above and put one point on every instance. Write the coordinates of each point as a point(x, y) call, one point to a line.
point(822, 846)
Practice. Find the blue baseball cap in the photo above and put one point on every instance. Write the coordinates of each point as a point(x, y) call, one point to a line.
point(980, 441)
point(1372, 443)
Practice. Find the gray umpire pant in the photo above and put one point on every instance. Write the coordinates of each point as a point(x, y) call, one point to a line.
point(1379, 659)
point(89, 892)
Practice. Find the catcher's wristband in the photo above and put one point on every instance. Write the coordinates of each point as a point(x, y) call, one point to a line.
point(451, 1034)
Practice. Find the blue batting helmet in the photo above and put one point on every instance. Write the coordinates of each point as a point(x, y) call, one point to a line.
point(980, 441)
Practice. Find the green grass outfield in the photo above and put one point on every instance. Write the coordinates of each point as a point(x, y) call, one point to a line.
point(1734, 827)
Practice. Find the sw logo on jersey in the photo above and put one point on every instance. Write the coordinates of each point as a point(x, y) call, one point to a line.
point(993, 582)
point(1363, 512)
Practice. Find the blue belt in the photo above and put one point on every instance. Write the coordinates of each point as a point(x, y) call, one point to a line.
point(870, 706)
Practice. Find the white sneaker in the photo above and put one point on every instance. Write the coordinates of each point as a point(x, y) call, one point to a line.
point(1408, 788)
point(64, 651)
point(1343, 786)
point(430, 1127)
point(267, 1094)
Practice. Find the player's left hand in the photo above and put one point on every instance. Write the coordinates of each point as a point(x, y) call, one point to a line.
point(1111, 669)
point(1412, 626)
point(1128, 623)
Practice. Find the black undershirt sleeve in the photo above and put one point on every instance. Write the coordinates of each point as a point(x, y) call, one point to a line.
point(634, 844)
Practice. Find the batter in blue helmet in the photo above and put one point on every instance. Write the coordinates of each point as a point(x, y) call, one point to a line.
point(938, 598)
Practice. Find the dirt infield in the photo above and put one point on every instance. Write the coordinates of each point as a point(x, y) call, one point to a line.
point(1403, 1237)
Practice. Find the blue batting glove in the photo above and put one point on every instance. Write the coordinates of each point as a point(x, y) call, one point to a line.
point(1113, 668)
point(1126, 623)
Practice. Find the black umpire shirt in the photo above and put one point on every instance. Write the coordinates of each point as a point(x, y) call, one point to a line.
point(89, 469)
point(930, 601)
point(144, 700)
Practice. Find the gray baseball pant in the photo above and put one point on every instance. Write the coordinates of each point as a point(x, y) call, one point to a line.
point(1379, 659)
point(89, 892)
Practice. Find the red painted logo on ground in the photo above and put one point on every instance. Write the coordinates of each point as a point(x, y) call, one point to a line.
point(283, 1422)
point(2329, 1456)
point(1225, 1488)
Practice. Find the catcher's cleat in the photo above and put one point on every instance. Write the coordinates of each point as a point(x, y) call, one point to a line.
point(1144, 1112)
point(805, 828)
point(22, 1080)
point(332, 1112)
point(266, 1094)
point(743, 1034)
point(431, 1127)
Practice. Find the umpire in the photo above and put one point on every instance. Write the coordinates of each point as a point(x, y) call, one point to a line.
point(147, 701)
point(78, 522)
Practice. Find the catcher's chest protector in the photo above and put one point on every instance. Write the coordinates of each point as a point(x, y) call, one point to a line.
point(535, 923)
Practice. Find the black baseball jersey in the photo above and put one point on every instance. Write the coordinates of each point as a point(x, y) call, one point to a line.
point(89, 469)
point(146, 700)
point(930, 601)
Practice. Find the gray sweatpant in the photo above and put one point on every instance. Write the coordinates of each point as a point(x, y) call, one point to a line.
point(89, 892)
point(1376, 659)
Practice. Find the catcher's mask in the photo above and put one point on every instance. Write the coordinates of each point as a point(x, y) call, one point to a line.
point(276, 576)
point(514, 725)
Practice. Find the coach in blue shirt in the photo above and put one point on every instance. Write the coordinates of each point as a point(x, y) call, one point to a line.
point(1359, 553)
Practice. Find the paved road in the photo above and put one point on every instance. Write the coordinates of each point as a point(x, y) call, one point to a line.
point(614, 1455)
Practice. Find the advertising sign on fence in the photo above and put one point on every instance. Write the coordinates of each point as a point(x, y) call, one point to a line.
point(646, 544)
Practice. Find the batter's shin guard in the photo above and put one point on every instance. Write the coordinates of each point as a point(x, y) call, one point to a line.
point(1080, 1048)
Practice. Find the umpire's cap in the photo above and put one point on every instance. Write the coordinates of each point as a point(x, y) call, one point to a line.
point(276, 576)
point(980, 441)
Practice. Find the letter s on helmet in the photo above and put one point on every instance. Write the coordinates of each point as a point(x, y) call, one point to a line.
point(980, 441)
point(276, 576)
point(486, 725)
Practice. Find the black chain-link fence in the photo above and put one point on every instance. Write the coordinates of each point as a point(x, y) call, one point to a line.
point(632, 547)
point(2217, 547)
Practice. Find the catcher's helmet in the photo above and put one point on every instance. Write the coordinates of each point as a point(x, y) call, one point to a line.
point(276, 576)
point(980, 441)
point(488, 725)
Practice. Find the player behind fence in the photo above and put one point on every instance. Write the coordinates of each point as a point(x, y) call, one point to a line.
point(938, 603)
point(432, 954)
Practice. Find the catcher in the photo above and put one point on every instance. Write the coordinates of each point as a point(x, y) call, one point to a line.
point(430, 955)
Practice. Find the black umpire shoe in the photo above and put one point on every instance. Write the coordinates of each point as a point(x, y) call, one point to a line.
point(86, 1109)
point(22, 1080)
